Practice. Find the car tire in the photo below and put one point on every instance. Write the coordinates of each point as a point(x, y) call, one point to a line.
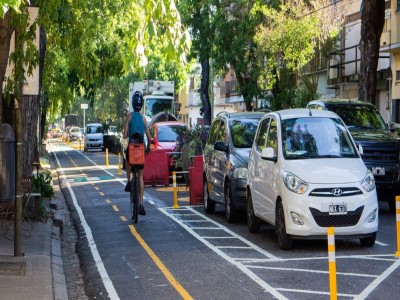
point(253, 223)
point(284, 241)
point(368, 241)
point(209, 205)
point(231, 212)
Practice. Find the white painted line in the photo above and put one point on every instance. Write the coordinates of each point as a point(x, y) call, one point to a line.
point(218, 237)
point(233, 247)
point(312, 271)
point(240, 266)
point(381, 244)
point(378, 280)
point(366, 257)
point(112, 293)
point(203, 228)
point(314, 292)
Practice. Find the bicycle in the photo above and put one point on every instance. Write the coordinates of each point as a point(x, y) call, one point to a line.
point(136, 160)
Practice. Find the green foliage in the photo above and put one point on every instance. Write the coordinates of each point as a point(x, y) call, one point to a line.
point(195, 137)
point(5, 5)
point(42, 183)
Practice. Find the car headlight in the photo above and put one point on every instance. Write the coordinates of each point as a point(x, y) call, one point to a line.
point(240, 173)
point(368, 183)
point(294, 183)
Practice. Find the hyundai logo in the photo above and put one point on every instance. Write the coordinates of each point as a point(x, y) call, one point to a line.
point(336, 192)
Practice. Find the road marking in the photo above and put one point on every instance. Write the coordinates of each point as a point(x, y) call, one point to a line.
point(101, 194)
point(234, 262)
point(115, 207)
point(378, 280)
point(311, 271)
point(381, 244)
point(314, 292)
point(123, 218)
point(184, 294)
point(112, 293)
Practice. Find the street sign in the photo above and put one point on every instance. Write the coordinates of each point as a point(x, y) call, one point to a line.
point(84, 106)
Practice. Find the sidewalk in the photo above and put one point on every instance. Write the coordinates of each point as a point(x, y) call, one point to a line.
point(39, 273)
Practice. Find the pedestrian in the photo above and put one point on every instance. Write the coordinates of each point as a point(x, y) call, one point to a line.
point(136, 122)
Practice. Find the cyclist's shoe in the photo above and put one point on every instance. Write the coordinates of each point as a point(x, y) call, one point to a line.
point(128, 187)
point(141, 210)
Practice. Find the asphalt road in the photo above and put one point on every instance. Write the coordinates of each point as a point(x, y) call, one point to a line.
point(184, 253)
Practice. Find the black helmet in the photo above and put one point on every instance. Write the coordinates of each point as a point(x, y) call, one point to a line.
point(137, 100)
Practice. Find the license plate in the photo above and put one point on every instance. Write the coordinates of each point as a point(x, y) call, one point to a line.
point(338, 209)
point(378, 171)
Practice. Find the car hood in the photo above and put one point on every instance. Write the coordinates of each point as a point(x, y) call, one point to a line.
point(327, 171)
point(373, 136)
point(240, 157)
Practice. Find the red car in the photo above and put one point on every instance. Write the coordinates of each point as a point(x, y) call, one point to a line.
point(165, 135)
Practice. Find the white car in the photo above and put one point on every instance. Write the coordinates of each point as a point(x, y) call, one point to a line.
point(305, 174)
point(94, 137)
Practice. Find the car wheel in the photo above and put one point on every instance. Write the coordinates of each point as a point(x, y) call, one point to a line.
point(230, 211)
point(368, 241)
point(209, 205)
point(253, 223)
point(284, 241)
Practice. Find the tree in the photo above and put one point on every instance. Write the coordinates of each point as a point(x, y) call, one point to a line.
point(198, 16)
point(287, 41)
point(372, 22)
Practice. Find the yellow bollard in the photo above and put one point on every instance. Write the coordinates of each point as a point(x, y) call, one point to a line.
point(332, 263)
point(106, 157)
point(119, 164)
point(398, 225)
point(175, 190)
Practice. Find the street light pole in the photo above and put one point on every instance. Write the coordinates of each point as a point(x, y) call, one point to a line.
point(84, 106)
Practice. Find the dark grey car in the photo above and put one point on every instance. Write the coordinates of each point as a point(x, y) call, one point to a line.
point(226, 154)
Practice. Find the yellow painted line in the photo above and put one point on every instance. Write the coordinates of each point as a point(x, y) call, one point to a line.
point(123, 219)
point(101, 194)
point(96, 188)
point(184, 294)
point(108, 201)
point(115, 207)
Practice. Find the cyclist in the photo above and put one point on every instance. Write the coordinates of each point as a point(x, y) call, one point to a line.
point(136, 122)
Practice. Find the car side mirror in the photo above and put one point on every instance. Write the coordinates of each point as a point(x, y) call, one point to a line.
point(220, 146)
point(360, 150)
point(268, 153)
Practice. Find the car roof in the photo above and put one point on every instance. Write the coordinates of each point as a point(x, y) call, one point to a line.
point(302, 113)
point(329, 102)
point(242, 115)
point(93, 124)
point(170, 123)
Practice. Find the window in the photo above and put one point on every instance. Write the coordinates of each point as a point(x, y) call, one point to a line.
point(398, 5)
point(273, 136)
point(398, 73)
point(222, 134)
point(262, 134)
point(213, 132)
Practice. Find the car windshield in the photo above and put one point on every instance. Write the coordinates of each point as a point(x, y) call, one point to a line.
point(243, 132)
point(305, 138)
point(168, 133)
point(94, 129)
point(155, 106)
point(359, 116)
point(75, 130)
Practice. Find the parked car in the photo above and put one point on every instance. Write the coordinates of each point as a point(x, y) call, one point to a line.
point(54, 133)
point(74, 134)
point(165, 135)
point(93, 137)
point(381, 151)
point(226, 155)
point(305, 175)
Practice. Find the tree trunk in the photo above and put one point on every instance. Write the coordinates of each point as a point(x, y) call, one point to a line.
point(204, 86)
point(243, 83)
point(5, 38)
point(372, 21)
